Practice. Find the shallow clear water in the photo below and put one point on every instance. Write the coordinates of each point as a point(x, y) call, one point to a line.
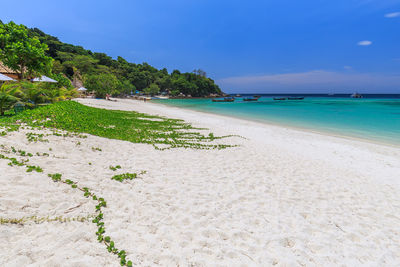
point(376, 118)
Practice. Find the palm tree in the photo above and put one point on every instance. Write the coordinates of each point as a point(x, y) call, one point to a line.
point(54, 95)
point(33, 92)
point(9, 94)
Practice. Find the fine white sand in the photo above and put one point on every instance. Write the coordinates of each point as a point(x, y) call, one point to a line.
point(283, 197)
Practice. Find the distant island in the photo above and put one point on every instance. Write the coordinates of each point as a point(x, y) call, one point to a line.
point(103, 75)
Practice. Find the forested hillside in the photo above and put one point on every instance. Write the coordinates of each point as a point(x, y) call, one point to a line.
point(104, 74)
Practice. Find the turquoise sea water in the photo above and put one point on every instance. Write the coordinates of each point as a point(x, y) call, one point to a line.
point(374, 118)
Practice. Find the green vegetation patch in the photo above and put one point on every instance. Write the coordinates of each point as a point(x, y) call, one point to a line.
point(162, 133)
point(115, 168)
point(30, 168)
point(124, 176)
point(33, 137)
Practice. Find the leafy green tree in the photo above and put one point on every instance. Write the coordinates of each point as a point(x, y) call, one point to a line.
point(184, 86)
point(85, 64)
point(9, 94)
point(57, 67)
point(62, 81)
point(21, 53)
point(153, 89)
point(102, 69)
point(165, 83)
point(65, 56)
point(200, 72)
point(103, 59)
point(175, 73)
point(125, 87)
point(101, 84)
point(174, 92)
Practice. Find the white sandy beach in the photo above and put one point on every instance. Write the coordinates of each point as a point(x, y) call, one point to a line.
point(283, 197)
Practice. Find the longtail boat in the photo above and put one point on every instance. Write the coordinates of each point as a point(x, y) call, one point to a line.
point(250, 99)
point(226, 99)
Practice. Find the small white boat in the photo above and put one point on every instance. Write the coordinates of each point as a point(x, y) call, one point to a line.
point(356, 95)
point(161, 97)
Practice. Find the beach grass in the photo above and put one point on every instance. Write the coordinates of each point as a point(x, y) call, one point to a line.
point(38, 220)
point(162, 133)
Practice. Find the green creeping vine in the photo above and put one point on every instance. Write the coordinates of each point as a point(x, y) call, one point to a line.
point(124, 176)
point(33, 137)
point(15, 162)
point(33, 168)
point(101, 203)
point(68, 134)
point(42, 154)
point(115, 168)
point(21, 152)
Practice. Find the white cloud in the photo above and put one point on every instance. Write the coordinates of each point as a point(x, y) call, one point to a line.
point(310, 77)
point(364, 43)
point(392, 15)
point(311, 81)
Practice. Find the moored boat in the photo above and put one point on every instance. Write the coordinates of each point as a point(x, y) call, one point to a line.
point(250, 99)
point(295, 97)
point(161, 97)
point(356, 95)
point(280, 98)
point(226, 99)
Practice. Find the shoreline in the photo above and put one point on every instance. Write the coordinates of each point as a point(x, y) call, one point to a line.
point(273, 124)
point(283, 136)
point(296, 128)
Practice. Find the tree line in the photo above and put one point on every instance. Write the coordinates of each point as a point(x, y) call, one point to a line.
point(103, 74)
point(98, 71)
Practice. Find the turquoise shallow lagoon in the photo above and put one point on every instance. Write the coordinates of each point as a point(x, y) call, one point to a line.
point(373, 118)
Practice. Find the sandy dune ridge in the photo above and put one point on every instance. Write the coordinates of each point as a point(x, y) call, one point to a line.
point(284, 197)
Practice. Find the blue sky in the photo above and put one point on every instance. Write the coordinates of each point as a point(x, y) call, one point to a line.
point(246, 46)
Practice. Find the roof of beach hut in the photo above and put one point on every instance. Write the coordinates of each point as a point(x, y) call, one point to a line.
point(44, 79)
point(5, 69)
point(82, 89)
point(5, 78)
